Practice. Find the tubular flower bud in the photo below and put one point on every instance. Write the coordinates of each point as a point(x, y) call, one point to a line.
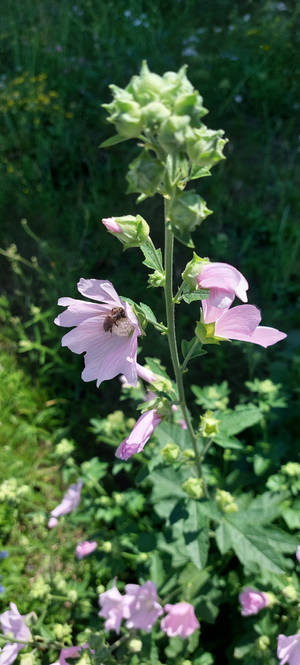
point(131, 230)
point(188, 210)
point(192, 270)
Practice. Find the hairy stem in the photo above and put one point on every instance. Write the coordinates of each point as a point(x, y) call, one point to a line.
point(169, 244)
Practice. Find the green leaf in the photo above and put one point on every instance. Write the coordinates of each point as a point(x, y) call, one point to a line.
point(197, 172)
point(200, 294)
point(153, 257)
point(166, 484)
point(191, 579)
point(243, 416)
point(113, 140)
point(157, 573)
point(228, 442)
point(196, 535)
point(147, 311)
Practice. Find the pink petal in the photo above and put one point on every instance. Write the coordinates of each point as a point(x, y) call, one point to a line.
point(220, 298)
point(99, 289)
point(111, 225)
point(237, 322)
point(264, 336)
point(78, 311)
point(109, 355)
point(223, 276)
point(85, 335)
point(9, 653)
point(139, 436)
point(288, 649)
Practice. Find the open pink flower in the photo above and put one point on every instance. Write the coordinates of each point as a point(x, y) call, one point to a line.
point(139, 436)
point(85, 548)
point(106, 332)
point(252, 601)
point(114, 608)
point(224, 283)
point(12, 623)
point(70, 501)
point(288, 649)
point(180, 620)
point(241, 323)
point(144, 608)
point(72, 652)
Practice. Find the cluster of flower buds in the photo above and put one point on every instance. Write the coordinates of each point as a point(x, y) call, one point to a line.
point(166, 112)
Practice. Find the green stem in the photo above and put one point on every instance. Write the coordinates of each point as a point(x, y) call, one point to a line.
point(188, 355)
point(169, 245)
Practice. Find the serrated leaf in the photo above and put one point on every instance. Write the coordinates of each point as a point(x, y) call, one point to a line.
point(199, 172)
point(166, 484)
point(113, 140)
point(235, 421)
point(153, 257)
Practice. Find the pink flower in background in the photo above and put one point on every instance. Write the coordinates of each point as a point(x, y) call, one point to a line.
point(144, 608)
point(70, 501)
point(114, 608)
point(298, 553)
point(288, 649)
point(145, 373)
point(252, 601)
point(224, 283)
point(241, 323)
point(72, 652)
point(12, 623)
point(180, 620)
point(85, 548)
point(139, 436)
point(182, 424)
point(106, 332)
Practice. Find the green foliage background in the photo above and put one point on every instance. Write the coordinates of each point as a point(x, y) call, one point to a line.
point(58, 59)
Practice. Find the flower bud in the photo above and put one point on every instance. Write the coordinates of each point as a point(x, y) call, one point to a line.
point(100, 588)
point(135, 645)
point(131, 231)
point(263, 642)
point(125, 113)
point(146, 175)
point(39, 589)
point(271, 598)
point(209, 425)
point(174, 132)
point(147, 86)
point(205, 146)
point(27, 658)
point(157, 278)
point(192, 269)
point(154, 113)
point(72, 595)
point(170, 452)
point(62, 631)
point(193, 487)
point(64, 448)
point(291, 469)
point(188, 453)
point(290, 593)
point(225, 501)
point(106, 547)
point(188, 210)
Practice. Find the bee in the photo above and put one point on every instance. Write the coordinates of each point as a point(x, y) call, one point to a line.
point(112, 319)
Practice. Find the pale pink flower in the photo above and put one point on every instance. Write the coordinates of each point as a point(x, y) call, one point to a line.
point(252, 601)
point(85, 548)
point(111, 225)
point(114, 608)
point(106, 332)
point(72, 652)
point(241, 323)
point(12, 623)
point(137, 439)
point(182, 424)
point(180, 620)
point(69, 503)
point(144, 607)
point(145, 373)
point(288, 649)
point(298, 553)
point(224, 283)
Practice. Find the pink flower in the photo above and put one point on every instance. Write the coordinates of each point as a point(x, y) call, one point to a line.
point(12, 622)
point(70, 501)
point(241, 323)
point(72, 652)
point(298, 553)
point(139, 436)
point(144, 608)
point(145, 373)
point(114, 608)
point(182, 424)
point(252, 601)
point(85, 548)
point(288, 649)
point(180, 620)
point(111, 225)
point(107, 332)
point(224, 283)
